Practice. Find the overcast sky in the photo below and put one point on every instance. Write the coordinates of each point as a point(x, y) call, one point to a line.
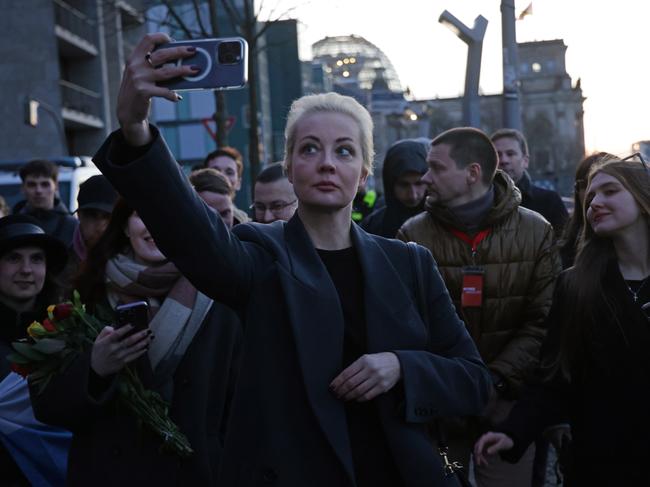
point(608, 48)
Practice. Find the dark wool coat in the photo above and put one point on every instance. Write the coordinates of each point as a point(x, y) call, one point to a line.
point(57, 222)
point(110, 449)
point(545, 202)
point(286, 428)
point(13, 326)
point(607, 399)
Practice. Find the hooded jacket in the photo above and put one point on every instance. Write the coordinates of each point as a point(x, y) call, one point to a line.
point(402, 157)
point(521, 265)
point(57, 222)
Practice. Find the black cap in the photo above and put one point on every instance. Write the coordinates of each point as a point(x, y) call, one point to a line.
point(96, 193)
point(23, 231)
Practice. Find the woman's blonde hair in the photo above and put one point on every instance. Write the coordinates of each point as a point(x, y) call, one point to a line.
point(330, 103)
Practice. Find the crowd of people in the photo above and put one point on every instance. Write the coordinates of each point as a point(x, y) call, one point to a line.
point(333, 335)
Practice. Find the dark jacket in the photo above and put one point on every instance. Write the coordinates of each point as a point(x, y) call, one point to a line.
point(521, 265)
point(57, 222)
point(13, 326)
point(402, 157)
point(606, 399)
point(545, 202)
point(110, 449)
point(287, 428)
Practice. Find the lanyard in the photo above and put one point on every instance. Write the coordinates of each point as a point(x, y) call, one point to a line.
point(472, 242)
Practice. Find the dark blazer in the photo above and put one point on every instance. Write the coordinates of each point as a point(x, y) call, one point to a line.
point(606, 401)
point(286, 428)
point(545, 202)
point(110, 449)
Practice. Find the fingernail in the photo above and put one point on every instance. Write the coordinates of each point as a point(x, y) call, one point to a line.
point(178, 97)
point(194, 67)
point(191, 49)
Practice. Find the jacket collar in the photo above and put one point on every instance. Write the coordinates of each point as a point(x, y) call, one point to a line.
point(507, 199)
point(525, 184)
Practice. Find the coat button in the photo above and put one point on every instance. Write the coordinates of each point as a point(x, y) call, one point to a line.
point(269, 476)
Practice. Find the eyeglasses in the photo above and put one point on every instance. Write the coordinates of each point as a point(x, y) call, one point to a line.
point(275, 207)
point(637, 154)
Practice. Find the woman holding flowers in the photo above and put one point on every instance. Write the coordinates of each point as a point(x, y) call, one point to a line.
point(190, 364)
point(28, 260)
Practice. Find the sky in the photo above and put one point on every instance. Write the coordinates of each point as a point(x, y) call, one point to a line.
point(608, 49)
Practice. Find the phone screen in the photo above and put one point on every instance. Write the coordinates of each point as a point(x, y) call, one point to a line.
point(134, 314)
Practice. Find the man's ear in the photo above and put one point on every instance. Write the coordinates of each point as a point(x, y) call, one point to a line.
point(474, 173)
point(525, 162)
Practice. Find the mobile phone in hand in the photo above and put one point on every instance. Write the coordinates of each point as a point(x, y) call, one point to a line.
point(135, 314)
point(222, 63)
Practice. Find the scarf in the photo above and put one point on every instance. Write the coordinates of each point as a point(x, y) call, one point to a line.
point(176, 308)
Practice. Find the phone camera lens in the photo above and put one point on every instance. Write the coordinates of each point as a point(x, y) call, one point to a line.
point(229, 52)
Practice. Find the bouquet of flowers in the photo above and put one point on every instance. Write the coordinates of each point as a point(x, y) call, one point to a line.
point(67, 331)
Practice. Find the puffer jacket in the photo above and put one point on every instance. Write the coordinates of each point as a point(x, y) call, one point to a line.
point(521, 265)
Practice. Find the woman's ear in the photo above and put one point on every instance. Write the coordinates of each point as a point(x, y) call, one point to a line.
point(363, 178)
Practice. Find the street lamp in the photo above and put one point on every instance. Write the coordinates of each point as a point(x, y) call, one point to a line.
point(511, 108)
point(474, 40)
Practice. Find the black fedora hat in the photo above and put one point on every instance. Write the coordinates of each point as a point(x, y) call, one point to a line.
point(22, 231)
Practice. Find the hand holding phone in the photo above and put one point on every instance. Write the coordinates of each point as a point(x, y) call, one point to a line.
point(135, 314)
point(220, 64)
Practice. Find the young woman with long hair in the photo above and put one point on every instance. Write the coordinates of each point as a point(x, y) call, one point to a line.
point(595, 369)
point(569, 240)
point(341, 373)
point(191, 363)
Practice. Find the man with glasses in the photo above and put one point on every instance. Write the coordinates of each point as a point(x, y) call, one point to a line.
point(273, 196)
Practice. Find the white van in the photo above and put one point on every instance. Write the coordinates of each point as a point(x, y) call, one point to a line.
point(72, 172)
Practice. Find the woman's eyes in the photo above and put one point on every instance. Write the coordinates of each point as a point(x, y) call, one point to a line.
point(308, 149)
point(345, 151)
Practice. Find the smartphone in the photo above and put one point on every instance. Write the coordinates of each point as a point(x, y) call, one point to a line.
point(135, 314)
point(223, 64)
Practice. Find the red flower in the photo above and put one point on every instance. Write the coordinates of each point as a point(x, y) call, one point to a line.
point(62, 311)
point(47, 324)
point(20, 369)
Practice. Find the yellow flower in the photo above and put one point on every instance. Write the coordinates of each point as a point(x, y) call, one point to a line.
point(50, 311)
point(36, 330)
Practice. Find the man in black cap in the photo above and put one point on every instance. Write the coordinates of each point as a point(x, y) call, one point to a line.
point(95, 204)
point(28, 259)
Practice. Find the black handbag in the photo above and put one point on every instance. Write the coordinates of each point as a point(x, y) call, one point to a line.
point(450, 468)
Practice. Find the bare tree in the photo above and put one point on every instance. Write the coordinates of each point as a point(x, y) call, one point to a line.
point(246, 20)
point(221, 109)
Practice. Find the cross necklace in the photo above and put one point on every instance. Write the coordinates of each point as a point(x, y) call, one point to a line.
point(635, 294)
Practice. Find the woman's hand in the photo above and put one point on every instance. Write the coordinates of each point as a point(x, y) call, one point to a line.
point(113, 349)
point(491, 443)
point(367, 377)
point(139, 84)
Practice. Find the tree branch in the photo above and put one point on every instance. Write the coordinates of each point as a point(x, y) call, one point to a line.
point(181, 24)
point(197, 12)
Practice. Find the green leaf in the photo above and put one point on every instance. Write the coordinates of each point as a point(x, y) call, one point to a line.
point(28, 351)
point(49, 345)
point(18, 359)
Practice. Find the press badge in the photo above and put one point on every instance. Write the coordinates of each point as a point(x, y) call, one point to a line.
point(472, 292)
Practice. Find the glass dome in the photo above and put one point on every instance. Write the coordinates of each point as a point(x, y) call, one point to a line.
point(352, 60)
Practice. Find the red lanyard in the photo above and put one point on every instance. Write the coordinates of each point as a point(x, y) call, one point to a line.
point(472, 242)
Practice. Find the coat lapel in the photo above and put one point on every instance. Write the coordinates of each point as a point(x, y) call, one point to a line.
point(392, 320)
point(317, 323)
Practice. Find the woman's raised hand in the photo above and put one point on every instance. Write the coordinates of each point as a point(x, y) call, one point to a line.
point(367, 377)
point(113, 349)
point(491, 443)
point(139, 84)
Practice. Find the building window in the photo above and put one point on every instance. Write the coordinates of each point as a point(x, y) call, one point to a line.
point(536, 67)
